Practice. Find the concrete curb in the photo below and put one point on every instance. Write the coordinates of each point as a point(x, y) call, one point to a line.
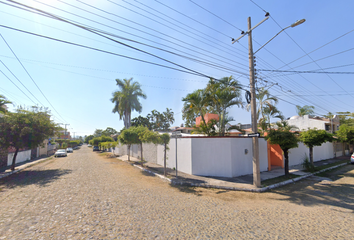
point(20, 168)
point(259, 190)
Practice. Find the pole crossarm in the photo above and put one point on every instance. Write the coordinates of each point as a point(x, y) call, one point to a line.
point(250, 30)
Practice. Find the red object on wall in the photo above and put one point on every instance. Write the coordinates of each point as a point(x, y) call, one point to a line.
point(207, 117)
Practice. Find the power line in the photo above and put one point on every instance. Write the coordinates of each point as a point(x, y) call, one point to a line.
point(289, 71)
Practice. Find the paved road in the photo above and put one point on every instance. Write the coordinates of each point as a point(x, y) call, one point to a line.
point(85, 196)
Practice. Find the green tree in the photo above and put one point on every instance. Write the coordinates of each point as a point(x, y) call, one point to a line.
point(98, 133)
point(314, 137)
point(3, 102)
point(127, 99)
point(128, 137)
point(25, 129)
point(305, 110)
point(197, 102)
point(161, 121)
point(222, 95)
point(345, 135)
point(286, 138)
point(109, 131)
point(346, 118)
point(88, 138)
point(141, 121)
point(164, 140)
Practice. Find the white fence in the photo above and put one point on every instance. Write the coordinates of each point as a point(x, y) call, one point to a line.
point(219, 156)
point(21, 157)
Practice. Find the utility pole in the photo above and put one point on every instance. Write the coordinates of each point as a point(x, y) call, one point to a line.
point(255, 144)
point(65, 128)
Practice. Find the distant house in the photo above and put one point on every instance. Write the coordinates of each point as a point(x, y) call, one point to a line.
point(331, 125)
point(207, 118)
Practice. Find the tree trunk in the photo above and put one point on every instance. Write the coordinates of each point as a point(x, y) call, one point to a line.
point(311, 157)
point(222, 115)
point(164, 160)
point(286, 159)
point(141, 154)
point(207, 130)
point(343, 149)
point(129, 152)
point(14, 160)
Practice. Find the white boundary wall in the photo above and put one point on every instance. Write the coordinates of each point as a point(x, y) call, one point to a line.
point(297, 155)
point(21, 157)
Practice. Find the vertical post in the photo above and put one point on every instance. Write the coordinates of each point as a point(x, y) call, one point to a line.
point(176, 154)
point(255, 147)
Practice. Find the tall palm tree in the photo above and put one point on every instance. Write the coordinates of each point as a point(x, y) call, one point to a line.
point(3, 102)
point(265, 107)
point(305, 110)
point(196, 102)
point(127, 99)
point(223, 94)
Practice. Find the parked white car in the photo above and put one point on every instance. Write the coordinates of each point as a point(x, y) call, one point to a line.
point(60, 153)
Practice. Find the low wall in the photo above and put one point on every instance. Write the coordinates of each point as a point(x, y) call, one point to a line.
point(21, 157)
point(297, 155)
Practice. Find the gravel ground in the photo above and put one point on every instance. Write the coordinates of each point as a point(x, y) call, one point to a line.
point(86, 196)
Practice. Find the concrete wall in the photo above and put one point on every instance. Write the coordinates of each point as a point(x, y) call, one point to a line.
point(303, 123)
point(297, 155)
point(21, 157)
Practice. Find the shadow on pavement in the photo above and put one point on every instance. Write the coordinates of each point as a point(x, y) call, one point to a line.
point(29, 177)
point(323, 191)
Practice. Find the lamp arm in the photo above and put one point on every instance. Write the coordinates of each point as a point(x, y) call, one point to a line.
point(271, 39)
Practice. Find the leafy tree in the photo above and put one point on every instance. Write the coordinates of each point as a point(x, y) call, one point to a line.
point(109, 131)
point(161, 121)
point(127, 99)
point(314, 137)
point(164, 140)
point(346, 118)
point(141, 121)
point(197, 102)
point(223, 94)
point(130, 136)
point(345, 134)
point(285, 138)
point(25, 129)
point(3, 102)
point(98, 133)
point(88, 138)
point(305, 110)
point(209, 127)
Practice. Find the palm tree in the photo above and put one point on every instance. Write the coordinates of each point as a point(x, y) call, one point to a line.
point(3, 102)
point(127, 99)
point(196, 102)
point(266, 107)
point(305, 110)
point(224, 94)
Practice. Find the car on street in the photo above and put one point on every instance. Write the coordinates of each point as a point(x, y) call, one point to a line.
point(60, 153)
point(69, 150)
point(89, 145)
point(352, 159)
point(95, 148)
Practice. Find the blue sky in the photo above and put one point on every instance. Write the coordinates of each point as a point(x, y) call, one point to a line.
point(79, 82)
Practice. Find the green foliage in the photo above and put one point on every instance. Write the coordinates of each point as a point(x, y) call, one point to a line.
point(314, 137)
point(217, 97)
point(25, 129)
point(109, 131)
point(346, 118)
point(305, 110)
point(88, 138)
point(3, 102)
point(161, 121)
point(127, 99)
point(306, 164)
point(98, 133)
point(73, 143)
point(141, 121)
point(345, 133)
point(208, 129)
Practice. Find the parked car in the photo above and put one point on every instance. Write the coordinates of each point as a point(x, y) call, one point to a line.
point(69, 150)
point(96, 148)
point(352, 159)
point(76, 147)
point(60, 153)
point(89, 145)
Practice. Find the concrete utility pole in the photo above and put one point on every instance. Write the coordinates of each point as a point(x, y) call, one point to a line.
point(255, 144)
point(65, 128)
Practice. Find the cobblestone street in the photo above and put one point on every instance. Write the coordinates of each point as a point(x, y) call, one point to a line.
point(86, 196)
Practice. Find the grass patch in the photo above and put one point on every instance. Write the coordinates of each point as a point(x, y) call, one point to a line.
point(318, 168)
point(278, 179)
point(106, 154)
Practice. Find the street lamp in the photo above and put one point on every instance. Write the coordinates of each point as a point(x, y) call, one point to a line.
point(255, 144)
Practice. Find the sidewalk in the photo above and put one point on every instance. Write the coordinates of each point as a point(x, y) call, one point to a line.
point(242, 183)
point(6, 171)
